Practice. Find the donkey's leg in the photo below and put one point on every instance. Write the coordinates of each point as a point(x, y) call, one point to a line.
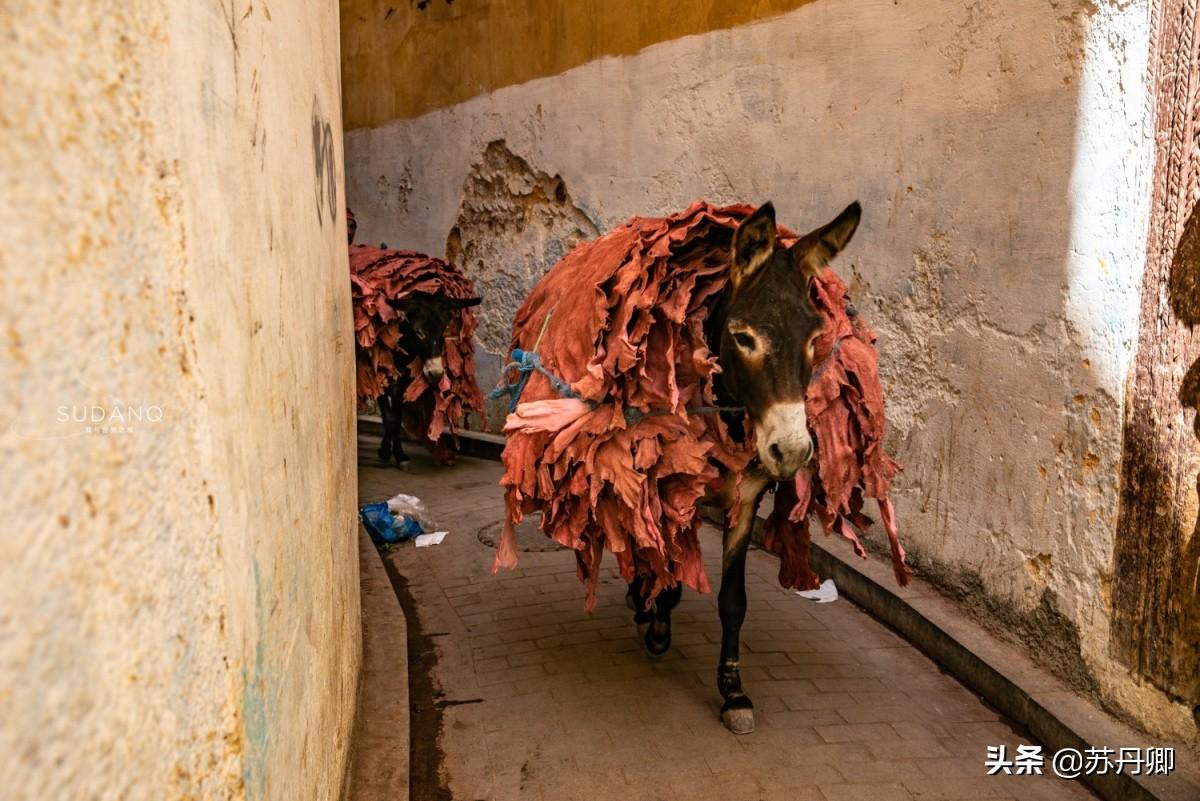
point(653, 624)
point(385, 441)
point(737, 713)
point(396, 393)
point(635, 599)
point(657, 638)
point(633, 596)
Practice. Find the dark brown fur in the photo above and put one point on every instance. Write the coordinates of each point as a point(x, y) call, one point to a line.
point(426, 317)
point(765, 323)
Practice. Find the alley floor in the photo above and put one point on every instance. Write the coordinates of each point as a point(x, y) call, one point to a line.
point(519, 694)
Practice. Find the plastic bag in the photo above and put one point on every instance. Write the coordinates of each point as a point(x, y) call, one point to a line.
point(410, 506)
point(379, 523)
point(400, 519)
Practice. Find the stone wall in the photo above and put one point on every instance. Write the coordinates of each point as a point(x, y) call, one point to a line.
point(179, 612)
point(1002, 153)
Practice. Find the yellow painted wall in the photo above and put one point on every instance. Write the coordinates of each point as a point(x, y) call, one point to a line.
point(399, 61)
point(179, 613)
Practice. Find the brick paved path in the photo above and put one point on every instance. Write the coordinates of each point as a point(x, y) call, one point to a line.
point(541, 701)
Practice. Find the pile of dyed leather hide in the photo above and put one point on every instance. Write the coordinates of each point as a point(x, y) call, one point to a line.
point(623, 466)
point(377, 275)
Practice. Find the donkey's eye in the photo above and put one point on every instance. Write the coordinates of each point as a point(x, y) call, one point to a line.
point(745, 341)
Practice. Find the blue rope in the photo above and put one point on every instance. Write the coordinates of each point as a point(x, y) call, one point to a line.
point(635, 416)
point(526, 363)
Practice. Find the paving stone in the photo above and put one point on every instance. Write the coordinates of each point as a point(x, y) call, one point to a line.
point(787, 719)
point(856, 733)
point(569, 706)
point(954, 788)
point(866, 792)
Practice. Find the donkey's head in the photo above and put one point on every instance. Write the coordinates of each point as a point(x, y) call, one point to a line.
point(770, 324)
point(424, 336)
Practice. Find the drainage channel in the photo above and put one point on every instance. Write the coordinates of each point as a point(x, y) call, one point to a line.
point(427, 780)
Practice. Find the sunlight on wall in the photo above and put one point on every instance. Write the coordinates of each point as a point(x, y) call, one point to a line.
point(1110, 192)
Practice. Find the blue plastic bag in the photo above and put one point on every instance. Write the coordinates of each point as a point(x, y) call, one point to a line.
point(383, 526)
point(409, 528)
point(379, 523)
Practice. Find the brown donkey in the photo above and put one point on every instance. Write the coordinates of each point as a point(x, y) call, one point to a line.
point(650, 360)
point(765, 324)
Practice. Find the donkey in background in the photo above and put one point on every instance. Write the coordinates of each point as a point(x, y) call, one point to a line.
point(422, 340)
point(413, 344)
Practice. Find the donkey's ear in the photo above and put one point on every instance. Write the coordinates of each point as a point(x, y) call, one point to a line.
point(753, 244)
point(817, 249)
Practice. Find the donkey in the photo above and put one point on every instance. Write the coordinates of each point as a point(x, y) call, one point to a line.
point(423, 339)
point(765, 324)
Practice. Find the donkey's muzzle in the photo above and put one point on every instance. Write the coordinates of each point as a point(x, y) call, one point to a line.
point(433, 370)
point(784, 444)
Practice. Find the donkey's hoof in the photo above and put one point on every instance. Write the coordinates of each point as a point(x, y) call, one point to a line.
point(657, 638)
point(738, 721)
point(738, 715)
point(645, 632)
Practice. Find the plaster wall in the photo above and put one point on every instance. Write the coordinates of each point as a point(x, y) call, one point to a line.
point(1002, 153)
point(179, 613)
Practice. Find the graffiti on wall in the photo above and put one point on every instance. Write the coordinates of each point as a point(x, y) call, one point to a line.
point(324, 165)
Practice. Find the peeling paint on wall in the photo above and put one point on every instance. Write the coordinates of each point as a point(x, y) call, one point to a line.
point(514, 224)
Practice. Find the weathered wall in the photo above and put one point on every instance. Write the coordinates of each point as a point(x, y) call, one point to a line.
point(179, 599)
point(1002, 153)
point(1156, 561)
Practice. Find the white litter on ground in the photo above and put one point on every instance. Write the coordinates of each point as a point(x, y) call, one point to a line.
point(825, 594)
point(432, 538)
